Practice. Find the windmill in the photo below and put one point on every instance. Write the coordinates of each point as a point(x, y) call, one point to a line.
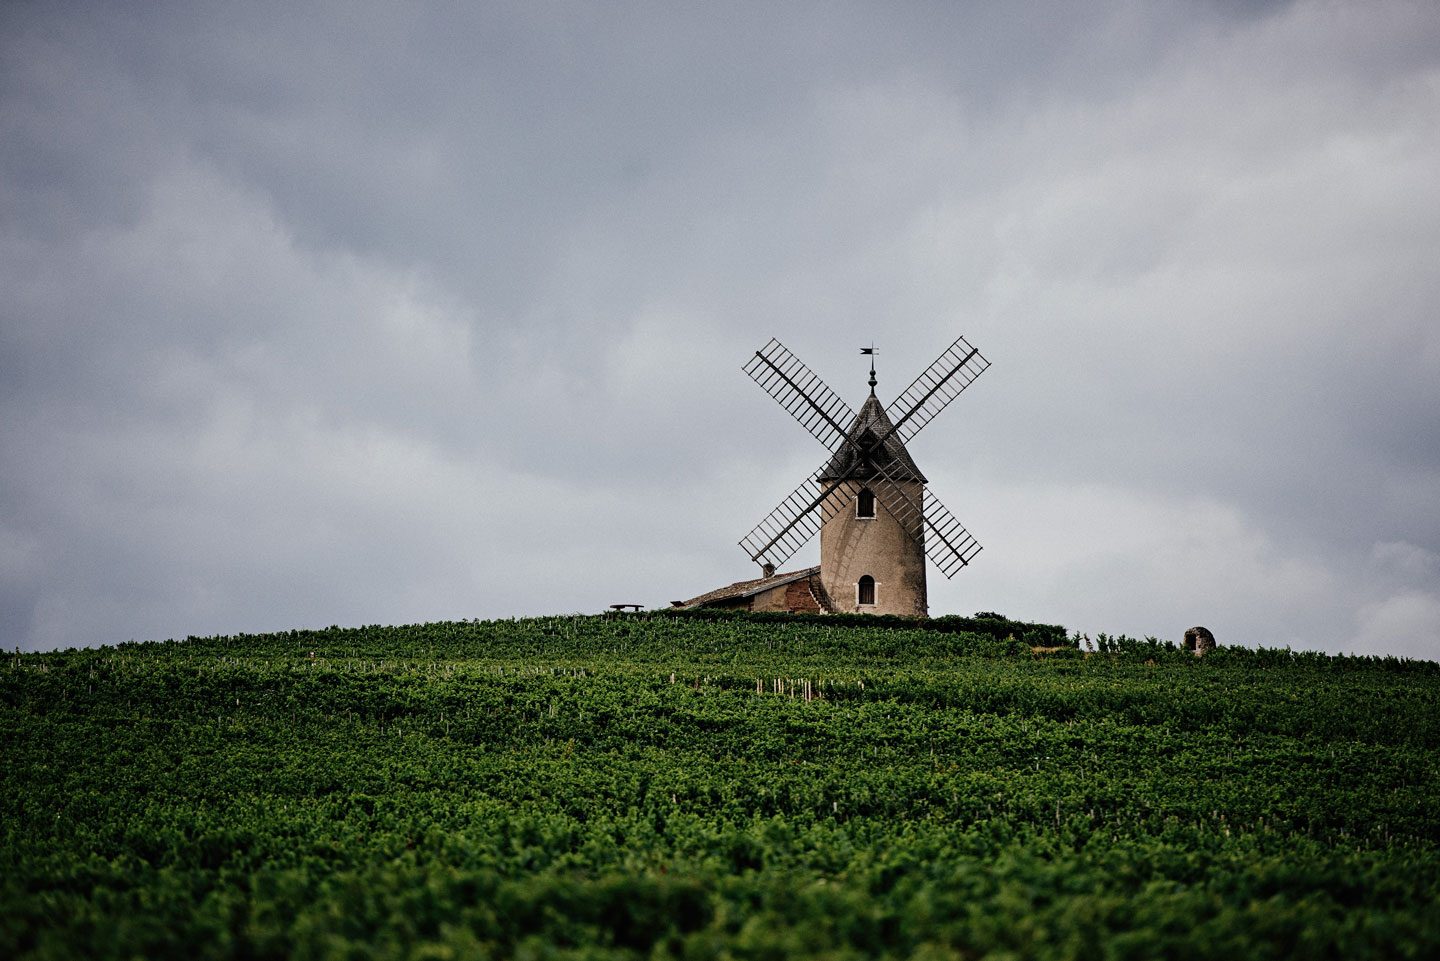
point(877, 522)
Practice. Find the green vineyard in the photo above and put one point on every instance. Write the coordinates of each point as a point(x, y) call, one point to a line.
point(652, 786)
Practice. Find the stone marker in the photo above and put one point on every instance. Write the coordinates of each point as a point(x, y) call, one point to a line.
point(1200, 641)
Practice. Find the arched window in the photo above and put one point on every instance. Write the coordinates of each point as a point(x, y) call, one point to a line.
point(865, 590)
point(865, 503)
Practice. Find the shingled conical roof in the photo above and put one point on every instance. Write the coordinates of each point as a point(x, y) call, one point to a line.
point(847, 464)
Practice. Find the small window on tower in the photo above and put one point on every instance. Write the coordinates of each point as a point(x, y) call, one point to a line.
point(865, 503)
point(866, 590)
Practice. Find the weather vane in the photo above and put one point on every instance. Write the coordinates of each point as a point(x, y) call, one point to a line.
point(872, 350)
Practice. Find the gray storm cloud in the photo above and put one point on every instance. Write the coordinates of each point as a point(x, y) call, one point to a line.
point(349, 314)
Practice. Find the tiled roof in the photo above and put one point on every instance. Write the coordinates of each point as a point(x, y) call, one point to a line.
point(741, 589)
point(891, 455)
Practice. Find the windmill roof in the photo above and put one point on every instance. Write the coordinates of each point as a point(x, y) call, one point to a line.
point(742, 589)
point(847, 463)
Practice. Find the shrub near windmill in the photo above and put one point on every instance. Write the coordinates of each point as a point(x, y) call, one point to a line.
point(868, 501)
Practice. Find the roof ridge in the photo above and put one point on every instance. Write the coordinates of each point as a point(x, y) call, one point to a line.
point(741, 589)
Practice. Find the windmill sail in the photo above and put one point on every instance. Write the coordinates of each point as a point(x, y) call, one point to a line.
point(946, 542)
point(868, 450)
point(796, 519)
point(933, 390)
point(805, 396)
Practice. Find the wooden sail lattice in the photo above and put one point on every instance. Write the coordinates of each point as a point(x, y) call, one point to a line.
point(824, 414)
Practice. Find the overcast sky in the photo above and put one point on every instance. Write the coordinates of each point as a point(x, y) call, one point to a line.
point(380, 313)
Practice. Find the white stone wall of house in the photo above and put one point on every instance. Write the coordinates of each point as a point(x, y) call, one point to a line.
point(771, 600)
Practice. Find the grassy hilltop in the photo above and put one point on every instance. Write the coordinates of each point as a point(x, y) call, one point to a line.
point(653, 786)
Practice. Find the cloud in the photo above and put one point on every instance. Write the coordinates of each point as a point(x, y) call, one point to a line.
point(361, 313)
point(1128, 560)
point(1399, 603)
point(1405, 625)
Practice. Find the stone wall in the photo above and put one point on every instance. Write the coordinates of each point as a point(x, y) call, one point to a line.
point(851, 547)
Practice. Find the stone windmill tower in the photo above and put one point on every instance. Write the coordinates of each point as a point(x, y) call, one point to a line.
point(870, 559)
point(869, 502)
